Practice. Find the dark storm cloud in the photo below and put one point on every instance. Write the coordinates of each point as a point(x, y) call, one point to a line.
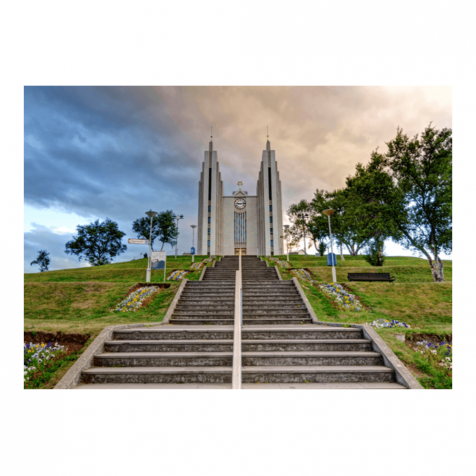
point(102, 151)
point(118, 151)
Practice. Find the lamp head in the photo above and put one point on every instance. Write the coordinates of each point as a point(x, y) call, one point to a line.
point(193, 226)
point(151, 214)
point(329, 212)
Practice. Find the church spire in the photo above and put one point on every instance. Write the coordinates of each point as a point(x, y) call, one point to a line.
point(268, 145)
point(210, 145)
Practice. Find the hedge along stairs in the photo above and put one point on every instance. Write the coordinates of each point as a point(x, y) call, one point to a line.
point(280, 344)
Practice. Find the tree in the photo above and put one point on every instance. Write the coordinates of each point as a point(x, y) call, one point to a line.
point(375, 252)
point(97, 242)
point(43, 260)
point(299, 226)
point(164, 228)
point(372, 201)
point(343, 221)
point(421, 168)
point(322, 248)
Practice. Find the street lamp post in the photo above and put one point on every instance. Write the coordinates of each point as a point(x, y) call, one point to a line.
point(304, 217)
point(286, 232)
point(151, 215)
point(193, 240)
point(330, 212)
point(177, 217)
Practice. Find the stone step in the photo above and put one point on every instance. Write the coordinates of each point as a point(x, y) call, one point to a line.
point(276, 321)
point(292, 299)
point(157, 375)
point(183, 345)
point(164, 359)
point(266, 306)
point(318, 374)
point(192, 313)
point(213, 305)
point(313, 332)
point(206, 301)
point(311, 358)
point(197, 321)
point(250, 314)
point(170, 332)
point(287, 345)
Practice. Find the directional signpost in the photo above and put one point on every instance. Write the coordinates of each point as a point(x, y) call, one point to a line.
point(132, 241)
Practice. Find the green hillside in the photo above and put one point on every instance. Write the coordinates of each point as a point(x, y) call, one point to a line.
point(413, 298)
point(79, 300)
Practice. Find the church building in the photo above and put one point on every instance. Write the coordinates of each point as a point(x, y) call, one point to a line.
point(230, 223)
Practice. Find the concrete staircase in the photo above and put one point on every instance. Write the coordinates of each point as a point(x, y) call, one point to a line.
point(165, 355)
point(196, 349)
point(280, 345)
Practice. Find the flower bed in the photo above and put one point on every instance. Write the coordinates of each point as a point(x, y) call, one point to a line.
point(37, 357)
point(379, 323)
point(304, 274)
point(136, 299)
point(209, 260)
point(283, 264)
point(441, 353)
point(177, 274)
point(341, 297)
point(198, 265)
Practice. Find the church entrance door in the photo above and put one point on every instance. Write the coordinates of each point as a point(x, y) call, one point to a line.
point(243, 251)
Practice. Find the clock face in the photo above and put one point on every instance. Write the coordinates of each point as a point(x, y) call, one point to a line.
point(240, 203)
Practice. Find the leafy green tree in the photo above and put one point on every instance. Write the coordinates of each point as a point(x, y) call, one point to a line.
point(372, 200)
point(97, 242)
point(321, 248)
point(422, 169)
point(164, 228)
point(343, 221)
point(43, 260)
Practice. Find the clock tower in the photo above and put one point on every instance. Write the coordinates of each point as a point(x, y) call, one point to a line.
point(228, 224)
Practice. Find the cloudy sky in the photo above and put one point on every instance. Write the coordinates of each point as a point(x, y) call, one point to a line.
point(97, 152)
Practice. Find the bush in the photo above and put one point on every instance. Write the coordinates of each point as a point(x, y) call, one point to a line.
point(322, 248)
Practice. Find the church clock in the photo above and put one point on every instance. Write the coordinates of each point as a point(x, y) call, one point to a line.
point(240, 203)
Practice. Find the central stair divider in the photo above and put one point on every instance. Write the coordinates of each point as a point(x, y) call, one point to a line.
point(238, 320)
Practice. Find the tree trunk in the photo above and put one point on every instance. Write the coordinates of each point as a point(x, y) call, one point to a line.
point(341, 253)
point(437, 270)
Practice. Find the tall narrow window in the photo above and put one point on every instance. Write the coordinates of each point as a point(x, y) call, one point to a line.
point(209, 208)
point(271, 219)
point(209, 184)
point(269, 183)
point(271, 231)
point(209, 243)
point(209, 231)
point(209, 219)
point(271, 242)
point(271, 208)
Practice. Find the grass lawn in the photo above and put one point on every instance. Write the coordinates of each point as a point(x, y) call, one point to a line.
point(78, 301)
point(413, 298)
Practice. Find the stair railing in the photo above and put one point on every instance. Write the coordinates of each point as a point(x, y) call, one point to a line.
point(238, 320)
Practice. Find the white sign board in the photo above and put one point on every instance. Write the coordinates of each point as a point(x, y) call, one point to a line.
point(158, 259)
point(133, 241)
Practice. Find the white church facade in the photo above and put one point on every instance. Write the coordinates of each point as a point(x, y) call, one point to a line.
point(230, 223)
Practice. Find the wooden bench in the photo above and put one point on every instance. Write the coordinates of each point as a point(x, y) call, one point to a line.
point(370, 277)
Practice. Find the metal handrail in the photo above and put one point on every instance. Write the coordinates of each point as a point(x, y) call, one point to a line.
point(236, 372)
point(238, 322)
